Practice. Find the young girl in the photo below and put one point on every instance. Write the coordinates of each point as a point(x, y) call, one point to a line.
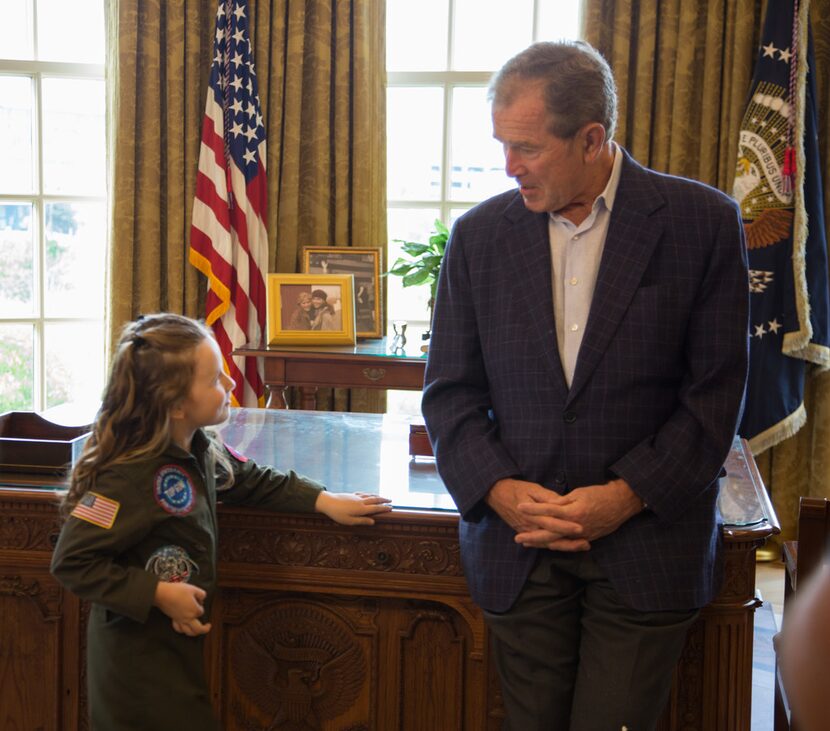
point(139, 540)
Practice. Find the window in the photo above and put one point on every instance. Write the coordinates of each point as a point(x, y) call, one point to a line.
point(441, 157)
point(52, 203)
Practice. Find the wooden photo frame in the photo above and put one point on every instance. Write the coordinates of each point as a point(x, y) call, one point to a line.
point(365, 264)
point(311, 309)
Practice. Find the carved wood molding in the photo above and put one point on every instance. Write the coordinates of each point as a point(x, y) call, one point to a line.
point(47, 598)
point(29, 527)
point(407, 555)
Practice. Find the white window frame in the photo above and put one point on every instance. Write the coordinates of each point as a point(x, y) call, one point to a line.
point(37, 71)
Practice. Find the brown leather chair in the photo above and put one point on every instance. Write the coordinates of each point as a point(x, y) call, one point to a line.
point(801, 558)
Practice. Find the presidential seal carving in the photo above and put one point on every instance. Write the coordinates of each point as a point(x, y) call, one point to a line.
point(315, 667)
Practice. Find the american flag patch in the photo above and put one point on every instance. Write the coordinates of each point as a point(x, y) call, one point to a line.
point(97, 509)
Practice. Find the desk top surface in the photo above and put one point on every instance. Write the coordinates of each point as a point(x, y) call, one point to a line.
point(347, 452)
point(350, 452)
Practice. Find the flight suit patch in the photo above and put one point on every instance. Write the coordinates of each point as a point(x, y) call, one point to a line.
point(236, 455)
point(96, 509)
point(172, 564)
point(173, 490)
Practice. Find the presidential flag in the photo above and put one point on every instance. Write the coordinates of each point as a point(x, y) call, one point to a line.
point(778, 186)
point(228, 238)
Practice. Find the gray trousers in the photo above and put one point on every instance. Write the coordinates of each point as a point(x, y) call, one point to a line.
point(572, 656)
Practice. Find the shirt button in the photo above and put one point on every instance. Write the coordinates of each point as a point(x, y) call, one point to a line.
point(576, 238)
point(574, 327)
point(569, 417)
point(559, 478)
point(574, 280)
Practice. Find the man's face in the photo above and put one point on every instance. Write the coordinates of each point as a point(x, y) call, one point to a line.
point(549, 170)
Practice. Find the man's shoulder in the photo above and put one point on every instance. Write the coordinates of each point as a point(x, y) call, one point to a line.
point(675, 189)
point(507, 204)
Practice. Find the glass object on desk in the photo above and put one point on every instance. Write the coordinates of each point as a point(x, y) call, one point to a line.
point(399, 341)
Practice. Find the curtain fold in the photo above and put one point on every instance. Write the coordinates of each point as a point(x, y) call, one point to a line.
point(683, 70)
point(320, 68)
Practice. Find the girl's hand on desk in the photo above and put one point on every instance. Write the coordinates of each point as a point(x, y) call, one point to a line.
point(351, 508)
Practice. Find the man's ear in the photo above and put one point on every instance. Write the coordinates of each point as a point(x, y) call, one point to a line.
point(593, 136)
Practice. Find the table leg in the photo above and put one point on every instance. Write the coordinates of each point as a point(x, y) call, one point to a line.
point(276, 397)
point(308, 397)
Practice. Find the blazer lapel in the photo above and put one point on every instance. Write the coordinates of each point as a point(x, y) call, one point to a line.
point(629, 245)
point(529, 240)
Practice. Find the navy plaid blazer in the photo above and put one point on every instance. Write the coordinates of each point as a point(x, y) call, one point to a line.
point(655, 397)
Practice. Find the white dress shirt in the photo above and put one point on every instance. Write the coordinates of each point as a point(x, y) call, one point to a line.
point(576, 252)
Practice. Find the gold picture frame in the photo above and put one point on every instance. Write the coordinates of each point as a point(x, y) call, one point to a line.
point(311, 309)
point(364, 262)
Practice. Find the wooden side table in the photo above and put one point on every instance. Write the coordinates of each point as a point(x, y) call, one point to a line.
point(369, 364)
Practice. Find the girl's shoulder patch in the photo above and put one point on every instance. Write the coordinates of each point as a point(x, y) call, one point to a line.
point(236, 455)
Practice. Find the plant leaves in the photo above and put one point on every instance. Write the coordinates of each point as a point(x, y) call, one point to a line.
point(416, 277)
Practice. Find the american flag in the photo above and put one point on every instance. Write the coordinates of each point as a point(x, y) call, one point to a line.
point(96, 509)
point(228, 237)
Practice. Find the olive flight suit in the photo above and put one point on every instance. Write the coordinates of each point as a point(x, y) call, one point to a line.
point(144, 522)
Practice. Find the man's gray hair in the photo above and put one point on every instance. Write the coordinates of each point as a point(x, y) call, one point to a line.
point(577, 81)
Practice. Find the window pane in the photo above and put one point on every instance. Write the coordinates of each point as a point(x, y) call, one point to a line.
point(74, 143)
point(414, 142)
point(477, 169)
point(16, 138)
point(84, 44)
point(17, 283)
point(416, 35)
point(70, 376)
point(409, 303)
point(488, 32)
point(16, 368)
point(75, 253)
point(559, 20)
point(16, 14)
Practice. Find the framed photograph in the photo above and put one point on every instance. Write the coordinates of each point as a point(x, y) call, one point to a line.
point(311, 309)
point(364, 264)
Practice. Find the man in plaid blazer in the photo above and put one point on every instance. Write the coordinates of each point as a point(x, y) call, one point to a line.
point(585, 377)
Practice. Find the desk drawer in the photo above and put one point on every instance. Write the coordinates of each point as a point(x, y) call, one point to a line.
point(354, 375)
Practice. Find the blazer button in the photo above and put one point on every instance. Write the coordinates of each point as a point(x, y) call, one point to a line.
point(559, 478)
point(569, 417)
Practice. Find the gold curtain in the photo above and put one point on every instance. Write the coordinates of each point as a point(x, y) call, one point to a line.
point(683, 70)
point(320, 69)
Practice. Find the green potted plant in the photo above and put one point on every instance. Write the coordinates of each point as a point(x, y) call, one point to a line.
point(423, 264)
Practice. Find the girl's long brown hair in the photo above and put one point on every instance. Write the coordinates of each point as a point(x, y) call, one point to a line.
point(152, 370)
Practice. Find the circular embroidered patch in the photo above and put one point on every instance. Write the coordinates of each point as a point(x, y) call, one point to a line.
point(173, 490)
point(172, 564)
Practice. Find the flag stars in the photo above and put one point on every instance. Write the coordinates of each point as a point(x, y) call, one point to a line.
point(249, 156)
point(774, 326)
point(769, 51)
point(239, 13)
point(237, 60)
point(236, 106)
point(239, 36)
point(760, 331)
point(784, 55)
point(237, 130)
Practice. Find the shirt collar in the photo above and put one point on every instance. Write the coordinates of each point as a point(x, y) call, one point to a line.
point(610, 191)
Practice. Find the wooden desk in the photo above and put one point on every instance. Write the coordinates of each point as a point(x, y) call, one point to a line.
point(369, 364)
point(348, 628)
